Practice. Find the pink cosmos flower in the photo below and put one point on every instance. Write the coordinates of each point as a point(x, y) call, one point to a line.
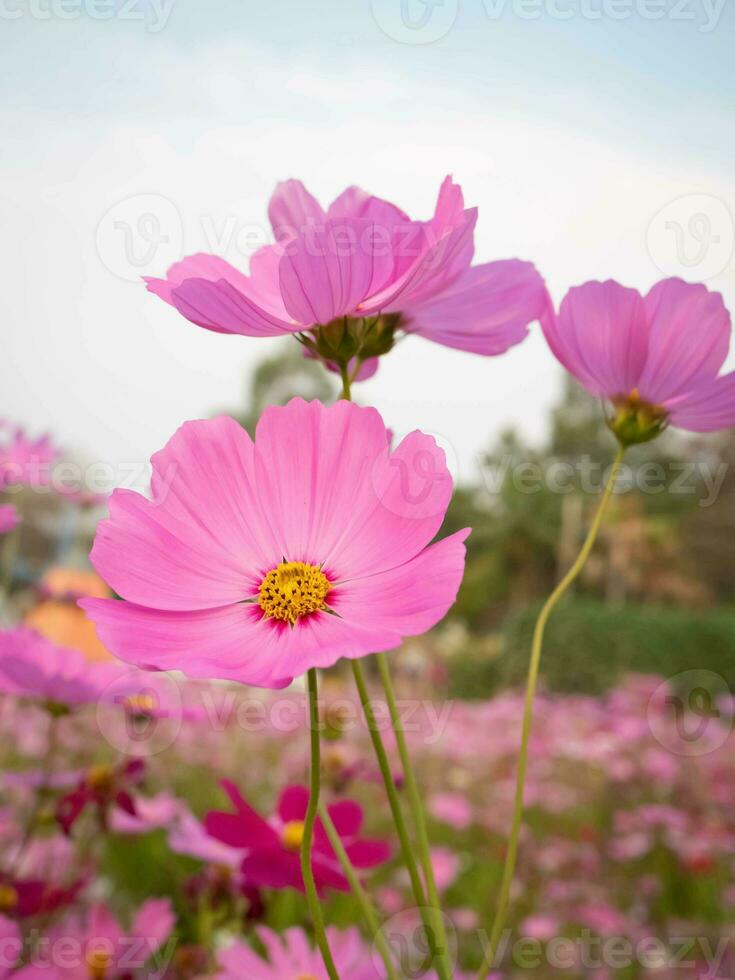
point(363, 258)
point(289, 954)
point(25, 461)
point(103, 787)
point(271, 847)
point(657, 358)
point(257, 561)
point(9, 518)
point(96, 945)
point(31, 666)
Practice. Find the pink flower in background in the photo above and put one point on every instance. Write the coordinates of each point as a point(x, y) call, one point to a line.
point(11, 944)
point(31, 666)
point(257, 561)
point(271, 847)
point(451, 808)
point(363, 257)
point(25, 461)
point(105, 949)
point(9, 518)
point(289, 954)
point(189, 836)
point(657, 358)
point(105, 788)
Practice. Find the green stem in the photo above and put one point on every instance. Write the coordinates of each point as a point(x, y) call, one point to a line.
point(346, 393)
point(536, 645)
point(398, 819)
point(366, 906)
point(312, 896)
point(417, 811)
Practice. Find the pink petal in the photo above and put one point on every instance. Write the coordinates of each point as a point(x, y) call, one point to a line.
point(409, 599)
point(293, 803)
point(213, 294)
point(689, 334)
point(330, 269)
point(708, 408)
point(154, 921)
point(292, 208)
point(600, 336)
point(347, 817)
point(243, 829)
point(337, 494)
point(485, 311)
point(368, 853)
point(228, 643)
point(201, 542)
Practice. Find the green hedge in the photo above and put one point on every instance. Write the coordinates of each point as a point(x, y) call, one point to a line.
point(589, 646)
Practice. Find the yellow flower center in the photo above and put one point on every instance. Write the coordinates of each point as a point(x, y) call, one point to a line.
point(99, 963)
point(293, 589)
point(292, 835)
point(8, 898)
point(100, 778)
point(140, 703)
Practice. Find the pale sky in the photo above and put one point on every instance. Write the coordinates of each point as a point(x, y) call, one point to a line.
point(589, 143)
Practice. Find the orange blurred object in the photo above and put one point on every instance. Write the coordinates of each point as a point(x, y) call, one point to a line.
point(59, 618)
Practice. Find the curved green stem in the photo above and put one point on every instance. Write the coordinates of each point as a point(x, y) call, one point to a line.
point(417, 811)
point(366, 906)
point(312, 896)
point(398, 819)
point(536, 645)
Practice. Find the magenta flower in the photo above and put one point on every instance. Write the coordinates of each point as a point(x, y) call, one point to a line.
point(365, 260)
point(31, 666)
point(657, 358)
point(102, 787)
point(22, 898)
point(9, 518)
point(289, 954)
point(257, 561)
point(271, 847)
point(97, 946)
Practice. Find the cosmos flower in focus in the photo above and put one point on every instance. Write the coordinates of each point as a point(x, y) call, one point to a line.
point(271, 847)
point(351, 279)
point(257, 561)
point(656, 357)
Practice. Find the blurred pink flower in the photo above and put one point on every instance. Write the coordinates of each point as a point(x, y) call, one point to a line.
point(25, 461)
point(257, 561)
point(451, 808)
point(272, 846)
point(11, 945)
point(363, 257)
point(189, 836)
point(657, 356)
point(541, 927)
point(9, 518)
point(289, 954)
point(31, 666)
point(446, 866)
point(104, 948)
